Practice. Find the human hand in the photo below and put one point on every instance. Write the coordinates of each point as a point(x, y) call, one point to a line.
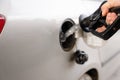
point(110, 16)
point(109, 4)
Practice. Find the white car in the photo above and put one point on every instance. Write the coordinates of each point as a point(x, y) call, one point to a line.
point(31, 49)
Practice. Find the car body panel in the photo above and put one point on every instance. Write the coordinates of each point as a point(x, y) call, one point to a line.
point(110, 54)
point(29, 53)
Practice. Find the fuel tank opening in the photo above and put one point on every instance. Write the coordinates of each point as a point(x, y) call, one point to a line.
point(67, 42)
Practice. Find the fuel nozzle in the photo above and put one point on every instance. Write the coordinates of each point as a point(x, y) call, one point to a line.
point(96, 20)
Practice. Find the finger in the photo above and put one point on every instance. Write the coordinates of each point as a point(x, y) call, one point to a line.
point(113, 17)
point(101, 29)
point(108, 18)
point(105, 8)
point(104, 11)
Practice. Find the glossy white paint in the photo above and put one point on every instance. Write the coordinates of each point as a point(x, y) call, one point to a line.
point(29, 43)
